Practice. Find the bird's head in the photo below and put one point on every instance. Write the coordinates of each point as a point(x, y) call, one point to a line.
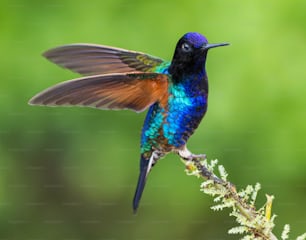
point(190, 52)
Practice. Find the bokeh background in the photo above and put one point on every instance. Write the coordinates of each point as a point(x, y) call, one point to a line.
point(70, 173)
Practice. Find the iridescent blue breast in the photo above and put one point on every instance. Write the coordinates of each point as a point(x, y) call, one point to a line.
point(185, 111)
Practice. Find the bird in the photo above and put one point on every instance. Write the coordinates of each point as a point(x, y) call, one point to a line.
point(174, 92)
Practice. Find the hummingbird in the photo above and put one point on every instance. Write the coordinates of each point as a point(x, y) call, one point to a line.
point(174, 92)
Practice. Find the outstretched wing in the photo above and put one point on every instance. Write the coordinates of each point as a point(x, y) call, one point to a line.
point(135, 91)
point(90, 59)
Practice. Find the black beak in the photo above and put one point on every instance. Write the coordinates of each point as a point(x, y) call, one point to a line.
point(213, 45)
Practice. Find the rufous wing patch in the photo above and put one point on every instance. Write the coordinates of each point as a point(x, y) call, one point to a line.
point(135, 91)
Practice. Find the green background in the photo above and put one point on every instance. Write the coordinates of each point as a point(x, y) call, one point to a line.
point(70, 173)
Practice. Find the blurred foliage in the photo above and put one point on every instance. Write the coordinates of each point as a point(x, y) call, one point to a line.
point(70, 173)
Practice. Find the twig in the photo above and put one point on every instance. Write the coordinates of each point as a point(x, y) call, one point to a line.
point(258, 224)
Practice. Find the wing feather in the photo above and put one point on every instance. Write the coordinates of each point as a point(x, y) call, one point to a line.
point(112, 91)
point(90, 59)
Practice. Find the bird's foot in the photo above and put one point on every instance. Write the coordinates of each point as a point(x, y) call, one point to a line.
point(199, 157)
point(186, 155)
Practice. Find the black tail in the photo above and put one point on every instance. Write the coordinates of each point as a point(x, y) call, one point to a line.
point(140, 187)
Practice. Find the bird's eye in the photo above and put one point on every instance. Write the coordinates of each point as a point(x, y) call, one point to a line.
point(186, 47)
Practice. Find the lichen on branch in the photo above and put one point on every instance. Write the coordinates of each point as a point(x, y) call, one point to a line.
point(253, 224)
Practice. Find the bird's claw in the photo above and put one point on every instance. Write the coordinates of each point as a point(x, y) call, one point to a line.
point(193, 157)
point(198, 156)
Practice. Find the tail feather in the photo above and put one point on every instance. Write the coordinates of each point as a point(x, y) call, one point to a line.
point(145, 167)
point(140, 187)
